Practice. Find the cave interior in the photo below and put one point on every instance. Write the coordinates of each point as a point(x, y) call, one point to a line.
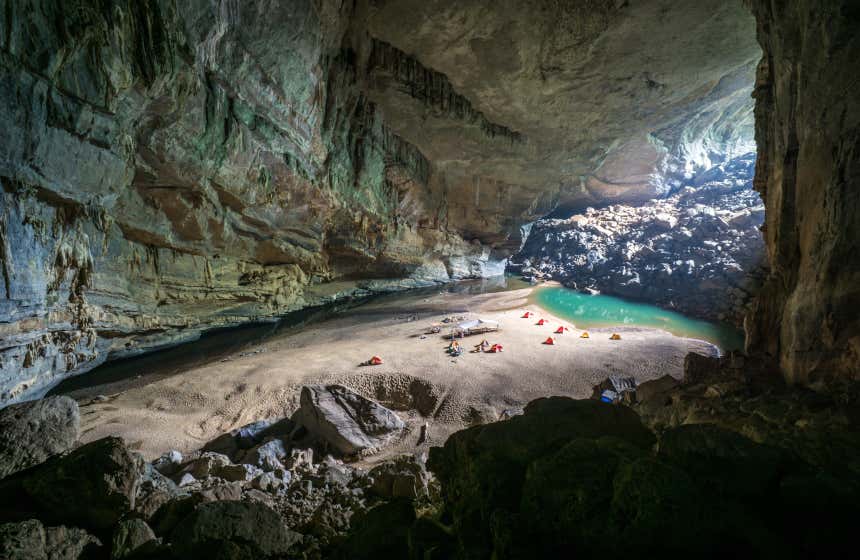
point(211, 210)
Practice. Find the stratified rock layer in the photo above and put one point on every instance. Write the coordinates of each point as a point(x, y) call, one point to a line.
point(172, 167)
point(808, 134)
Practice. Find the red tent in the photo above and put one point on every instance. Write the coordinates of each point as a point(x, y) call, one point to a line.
point(559, 330)
point(541, 322)
point(549, 341)
point(526, 315)
point(375, 361)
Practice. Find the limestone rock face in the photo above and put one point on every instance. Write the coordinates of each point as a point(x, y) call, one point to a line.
point(169, 167)
point(347, 421)
point(172, 167)
point(33, 431)
point(807, 131)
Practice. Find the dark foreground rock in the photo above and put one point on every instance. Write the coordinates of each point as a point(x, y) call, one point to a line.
point(31, 432)
point(91, 487)
point(131, 536)
point(582, 479)
point(31, 540)
point(232, 530)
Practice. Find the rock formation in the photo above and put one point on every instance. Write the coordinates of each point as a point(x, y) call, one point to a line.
point(581, 479)
point(169, 167)
point(32, 432)
point(698, 250)
point(808, 133)
point(345, 420)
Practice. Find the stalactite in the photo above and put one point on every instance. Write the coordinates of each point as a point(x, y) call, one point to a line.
point(434, 90)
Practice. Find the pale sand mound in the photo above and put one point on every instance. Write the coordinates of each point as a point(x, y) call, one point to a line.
point(418, 378)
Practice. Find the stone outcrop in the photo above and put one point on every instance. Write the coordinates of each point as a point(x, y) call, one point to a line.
point(346, 421)
point(33, 431)
point(698, 251)
point(582, 479)
point(808, 131)
point(91, 487)
point(31, 540)
point(170, 167)
point(131, 536)
point(232, 530)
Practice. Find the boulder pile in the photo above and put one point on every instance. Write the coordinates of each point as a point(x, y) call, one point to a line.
point(726, 460)
point(698, 250)
point(269, 489)
point(589, 479)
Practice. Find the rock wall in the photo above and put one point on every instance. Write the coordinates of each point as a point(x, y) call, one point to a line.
point(169, 167)
point(808, 134)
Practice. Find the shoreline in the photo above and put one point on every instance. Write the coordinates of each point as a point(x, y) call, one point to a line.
point(723, 334)
point(185, 410)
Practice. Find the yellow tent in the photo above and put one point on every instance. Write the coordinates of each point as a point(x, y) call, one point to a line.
point(584, 334)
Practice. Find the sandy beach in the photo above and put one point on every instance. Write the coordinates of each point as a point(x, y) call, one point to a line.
point(184, 411)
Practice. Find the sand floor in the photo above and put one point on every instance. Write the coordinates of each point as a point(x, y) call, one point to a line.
point(184, 411)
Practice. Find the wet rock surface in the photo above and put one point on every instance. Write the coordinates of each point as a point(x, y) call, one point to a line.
point(698, 251)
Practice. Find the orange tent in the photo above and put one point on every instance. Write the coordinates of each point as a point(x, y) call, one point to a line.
point(541, 322)
point(615, 336)
point(375, 361)
point(526, 315)
point(549, 341)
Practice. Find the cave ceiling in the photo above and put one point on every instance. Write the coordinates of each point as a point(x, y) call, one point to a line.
point(589, 102)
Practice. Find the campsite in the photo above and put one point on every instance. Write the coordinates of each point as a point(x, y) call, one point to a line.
point(459, 390)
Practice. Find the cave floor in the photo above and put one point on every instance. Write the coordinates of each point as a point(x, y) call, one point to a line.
point(184, 411)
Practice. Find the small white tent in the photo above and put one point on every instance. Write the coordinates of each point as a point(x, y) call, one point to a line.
point(476, 326)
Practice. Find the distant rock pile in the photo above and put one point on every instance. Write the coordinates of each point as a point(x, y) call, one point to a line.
point(698, 251)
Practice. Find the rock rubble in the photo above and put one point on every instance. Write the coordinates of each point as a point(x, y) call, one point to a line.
point(698, 251)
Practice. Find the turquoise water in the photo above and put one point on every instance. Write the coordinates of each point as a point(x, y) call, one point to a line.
point(588, 311)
